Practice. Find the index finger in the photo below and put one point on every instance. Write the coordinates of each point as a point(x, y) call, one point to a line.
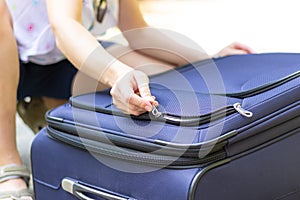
point(140, 102)
point(145, 93)
point(142, 82)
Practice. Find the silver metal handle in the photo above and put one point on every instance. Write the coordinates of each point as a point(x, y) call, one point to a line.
point(75, 188)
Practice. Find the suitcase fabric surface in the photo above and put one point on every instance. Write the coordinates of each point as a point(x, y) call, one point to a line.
point(225, 129)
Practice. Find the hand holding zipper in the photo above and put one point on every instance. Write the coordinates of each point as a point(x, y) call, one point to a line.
point(193, 120)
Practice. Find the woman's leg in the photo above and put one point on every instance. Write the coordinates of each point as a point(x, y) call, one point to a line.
point(9, 77)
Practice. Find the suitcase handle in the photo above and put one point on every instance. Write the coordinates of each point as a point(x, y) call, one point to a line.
point(79, 190)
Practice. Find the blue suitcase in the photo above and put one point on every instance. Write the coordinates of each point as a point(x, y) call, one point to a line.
point(226, 128)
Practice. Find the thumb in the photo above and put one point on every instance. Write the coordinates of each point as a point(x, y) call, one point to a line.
point(142, 83)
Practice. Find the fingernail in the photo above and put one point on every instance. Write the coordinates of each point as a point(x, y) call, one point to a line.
point(155, 103)
point(148, 108)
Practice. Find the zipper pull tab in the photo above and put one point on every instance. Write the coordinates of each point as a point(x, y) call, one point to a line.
point(155, 112)
point(242, 111)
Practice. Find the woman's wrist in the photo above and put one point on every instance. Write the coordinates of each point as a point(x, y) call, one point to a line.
point(114, 72)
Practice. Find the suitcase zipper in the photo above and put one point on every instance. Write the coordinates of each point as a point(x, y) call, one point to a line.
point(136, 156)
point(189, 121)
point(198, 120)
point(238, 107)
point(168, 118)
point(177, 120)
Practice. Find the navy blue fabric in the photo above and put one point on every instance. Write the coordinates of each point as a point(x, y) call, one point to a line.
point(271, 172)
point(266, 173)
point(230, 74)
point(52, 161)
point(51, 81)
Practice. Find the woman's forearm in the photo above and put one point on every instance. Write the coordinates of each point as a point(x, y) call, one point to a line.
point(74, 41)
point(82, 48)
point(165, 45)
point(85, 52)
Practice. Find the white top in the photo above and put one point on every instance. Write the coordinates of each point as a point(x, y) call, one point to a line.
point(35, 39)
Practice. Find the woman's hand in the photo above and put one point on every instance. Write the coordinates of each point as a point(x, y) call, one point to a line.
point(234, 48)
point(131, 93)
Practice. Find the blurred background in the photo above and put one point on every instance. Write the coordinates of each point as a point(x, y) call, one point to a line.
point(264, 25)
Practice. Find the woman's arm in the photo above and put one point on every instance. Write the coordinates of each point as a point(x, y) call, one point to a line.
point(165, 45)
point(78, 44)
point(84, 51)
point(130, 16)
